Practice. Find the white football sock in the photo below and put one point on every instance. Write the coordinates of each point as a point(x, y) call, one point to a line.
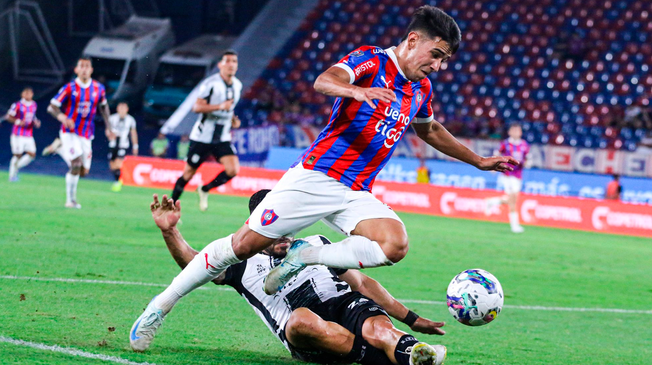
point(206, 266)
point(355, 252)
point(13, 169)
point(71, 187)
point(513, 219)
point(24, 161)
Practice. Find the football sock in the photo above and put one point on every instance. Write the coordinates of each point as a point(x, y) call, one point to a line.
point(116, 174)
point(24, 161)
point(220, 179)
point(404, 348)
point(206, 266)
point(355, 252)
point(13, 169)
point(513, 219)
point(178, 188)
point(365, 354)
point(71, 187)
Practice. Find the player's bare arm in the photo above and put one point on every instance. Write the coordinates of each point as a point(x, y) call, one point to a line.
point(14, 120)
point(166, 215)
point(37, 122)
point(376, 292)
point(104, 110)
point(335, 82)
point(134, 141)
point(202, 106)
point(56, 112)
point(438, 137)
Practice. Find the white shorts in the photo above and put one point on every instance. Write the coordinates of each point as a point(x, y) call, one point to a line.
point(302, 197)
point(511, 184)
point(73, 146)
point(22, 144)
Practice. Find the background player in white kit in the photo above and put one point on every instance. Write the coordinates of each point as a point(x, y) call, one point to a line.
point(211, 134)
point(324, 316)
point(75, 106)
point(123, 125)
point(23, 115)
point(512, 181)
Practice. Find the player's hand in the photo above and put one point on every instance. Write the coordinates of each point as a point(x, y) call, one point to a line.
point(37, 123)
point(424, 325)
point(109, 134)
point(226, 105)
point(498, 163)
point(166, 213)
point(19, 122)
point(235, 122)
point(368, 95)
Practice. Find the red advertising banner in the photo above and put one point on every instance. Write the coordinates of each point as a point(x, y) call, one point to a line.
point(549, 211)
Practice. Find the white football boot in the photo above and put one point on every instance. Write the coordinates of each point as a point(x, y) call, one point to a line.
point(143, 331)
point(73, 204)
point(287, 269)
point(424, 354)
point(52, 148)
point(203, 198)
point(518, 229)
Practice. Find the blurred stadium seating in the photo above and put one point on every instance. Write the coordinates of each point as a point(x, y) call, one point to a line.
point(573, 72)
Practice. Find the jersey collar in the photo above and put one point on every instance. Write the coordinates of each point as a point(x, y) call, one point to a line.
point(81, 84)
point(513, 141)
point(392, 56)
point(25, 102)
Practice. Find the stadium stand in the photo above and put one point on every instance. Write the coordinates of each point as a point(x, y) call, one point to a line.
point(573, 72)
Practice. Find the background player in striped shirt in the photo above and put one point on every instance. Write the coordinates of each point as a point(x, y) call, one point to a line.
point(75, 106)
point(379, 93)
point(23, 115)
point(123, 125)
point(511, 181)
point(326, 316)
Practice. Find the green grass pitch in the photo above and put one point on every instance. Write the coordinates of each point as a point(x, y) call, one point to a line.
point(113, 238)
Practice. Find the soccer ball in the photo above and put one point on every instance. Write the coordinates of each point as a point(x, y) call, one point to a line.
point(474, 297)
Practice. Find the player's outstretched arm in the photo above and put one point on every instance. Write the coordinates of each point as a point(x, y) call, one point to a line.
point(376, 292)
point(166, 215)
point(335, 82)
point(439, 138)
point(106, 113)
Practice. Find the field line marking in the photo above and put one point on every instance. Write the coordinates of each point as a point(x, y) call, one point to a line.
point(70, 351)
point(414, 301)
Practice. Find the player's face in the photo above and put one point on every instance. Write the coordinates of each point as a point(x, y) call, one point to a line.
point(84, 69)
point(123, 109)
point(515, 132)
point(280, 247)
point(27, 94)
point(228, 65)
point(425, 55)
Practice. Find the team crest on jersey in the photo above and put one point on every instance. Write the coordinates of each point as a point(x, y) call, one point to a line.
point(419, 96)
point(357, 54)
point(268, 217)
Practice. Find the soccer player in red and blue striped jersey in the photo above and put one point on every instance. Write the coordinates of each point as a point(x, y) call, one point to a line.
point(23, 114)
point(75, 106)
point(380, 93)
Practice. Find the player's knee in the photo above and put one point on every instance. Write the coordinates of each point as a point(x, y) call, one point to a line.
point(232, 170)
point(395, 246)
point(300, 324)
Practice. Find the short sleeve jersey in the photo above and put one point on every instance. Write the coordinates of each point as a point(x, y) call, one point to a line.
point(215, 127)
point(517, 150)
point(25, 111)
point(121, 128)
point(79, 102)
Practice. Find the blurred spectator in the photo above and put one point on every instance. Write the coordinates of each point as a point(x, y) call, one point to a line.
point(613, 189)
point(159, 146)
point(637, 117)
point(182, 147)
point(570, 47)
point(423, 174)
point(645, 144)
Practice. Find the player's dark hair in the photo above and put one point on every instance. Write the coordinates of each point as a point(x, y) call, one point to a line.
point(26, 88)
point(257, 198)
point(229, 52)
point(85, 58)
point(513, 125)
point(435, 23)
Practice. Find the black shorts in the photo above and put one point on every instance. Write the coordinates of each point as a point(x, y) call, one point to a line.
point(116, 152)
point(350, 311)
point(198, 152)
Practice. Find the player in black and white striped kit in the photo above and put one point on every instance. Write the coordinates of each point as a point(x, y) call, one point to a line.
point(322, 315)
point(211, 134)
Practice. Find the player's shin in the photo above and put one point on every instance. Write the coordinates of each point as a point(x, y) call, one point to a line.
point(355, 252)
point(71, 187)
point(220, 179)
point(206, 266)
point(13, 169)
point(178, 188)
